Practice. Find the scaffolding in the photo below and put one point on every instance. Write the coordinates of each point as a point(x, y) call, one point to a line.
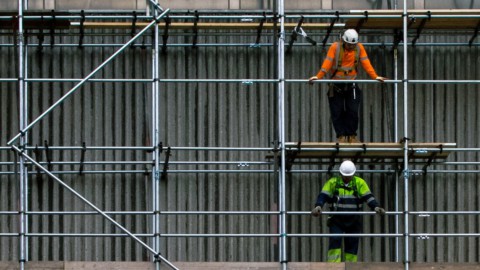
point(280, 160)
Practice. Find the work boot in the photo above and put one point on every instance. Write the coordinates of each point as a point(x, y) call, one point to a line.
point(342, 139)
point(353, 139)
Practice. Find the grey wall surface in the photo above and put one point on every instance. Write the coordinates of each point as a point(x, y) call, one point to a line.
point(212, 114)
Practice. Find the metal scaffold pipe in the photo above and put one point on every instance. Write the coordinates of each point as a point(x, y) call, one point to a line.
point(93, 206)
point(71, 91)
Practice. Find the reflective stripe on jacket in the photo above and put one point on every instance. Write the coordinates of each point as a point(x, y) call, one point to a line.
point(347, 199)
point(347, 63)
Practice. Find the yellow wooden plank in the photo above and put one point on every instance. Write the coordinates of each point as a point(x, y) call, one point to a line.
point(374, 150)
point(203, 25)
point(397, 23)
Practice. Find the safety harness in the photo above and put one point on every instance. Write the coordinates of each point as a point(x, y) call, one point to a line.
point(340, 51)
point(338, 185)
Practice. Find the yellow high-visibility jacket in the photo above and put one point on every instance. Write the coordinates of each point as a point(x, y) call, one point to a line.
point(346, 197)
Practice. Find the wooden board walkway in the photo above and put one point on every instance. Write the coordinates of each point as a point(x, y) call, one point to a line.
point(330, 152)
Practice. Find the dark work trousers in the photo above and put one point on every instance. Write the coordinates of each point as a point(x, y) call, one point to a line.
point(351, 243)
point(344, 100)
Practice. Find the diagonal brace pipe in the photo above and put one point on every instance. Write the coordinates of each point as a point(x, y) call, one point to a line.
point(98, 210)
point(156, 5)
point(89, 76)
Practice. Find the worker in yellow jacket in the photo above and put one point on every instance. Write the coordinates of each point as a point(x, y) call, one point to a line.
point(345, 193)
point(345, 98)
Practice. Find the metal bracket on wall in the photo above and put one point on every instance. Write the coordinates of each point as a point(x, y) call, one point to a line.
point(52, 29)
point(134, 27)
point(48, 154)
point(431, 158)
point(195, 29)
point(82, 30)
point(260, 28)
point(362, 21)
point(291, 157)
point(294, 35)
point(165, 165)
point(168, 21)
point(330, 28)
point(82, 158)
point(38, 156)
point(397, 37)
point(332, 158)
point(475, 34)
point(421, 26)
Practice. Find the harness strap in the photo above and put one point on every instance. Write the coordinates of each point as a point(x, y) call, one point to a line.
point(339, 52)
point(339, 184)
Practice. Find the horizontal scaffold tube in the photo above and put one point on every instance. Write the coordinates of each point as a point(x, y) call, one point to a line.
point(242, 81)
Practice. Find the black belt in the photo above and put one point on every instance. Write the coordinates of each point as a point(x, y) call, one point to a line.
point(343, 86)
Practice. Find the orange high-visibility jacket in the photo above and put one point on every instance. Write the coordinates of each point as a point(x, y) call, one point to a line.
point(347, 70)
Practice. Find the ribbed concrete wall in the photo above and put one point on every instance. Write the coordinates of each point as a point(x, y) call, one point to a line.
point(229, 115)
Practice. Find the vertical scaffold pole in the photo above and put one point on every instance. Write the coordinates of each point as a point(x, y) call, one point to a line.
point(156, 140)
point(281, 130)
point(405, 128)
point(23, 140)
point(395, 139)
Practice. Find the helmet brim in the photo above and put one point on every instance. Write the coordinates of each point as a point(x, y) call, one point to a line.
point(353, 43)
point(347, 174)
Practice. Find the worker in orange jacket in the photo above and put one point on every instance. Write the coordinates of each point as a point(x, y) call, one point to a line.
point(345, 98)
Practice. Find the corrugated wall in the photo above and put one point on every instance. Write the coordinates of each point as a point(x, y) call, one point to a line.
point(229, 115)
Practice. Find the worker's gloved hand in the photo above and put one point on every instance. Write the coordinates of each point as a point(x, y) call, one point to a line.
point(380, 211)
point(316, 211)
point(310, 81)
point(380, 79)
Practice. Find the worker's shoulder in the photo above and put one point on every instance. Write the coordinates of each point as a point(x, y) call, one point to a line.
point(334, 177)
point(360, 180)
point(361, 47)
point(335, 45)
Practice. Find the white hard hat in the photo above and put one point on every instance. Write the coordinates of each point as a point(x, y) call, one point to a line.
point(350, 36)
point(347, 168)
